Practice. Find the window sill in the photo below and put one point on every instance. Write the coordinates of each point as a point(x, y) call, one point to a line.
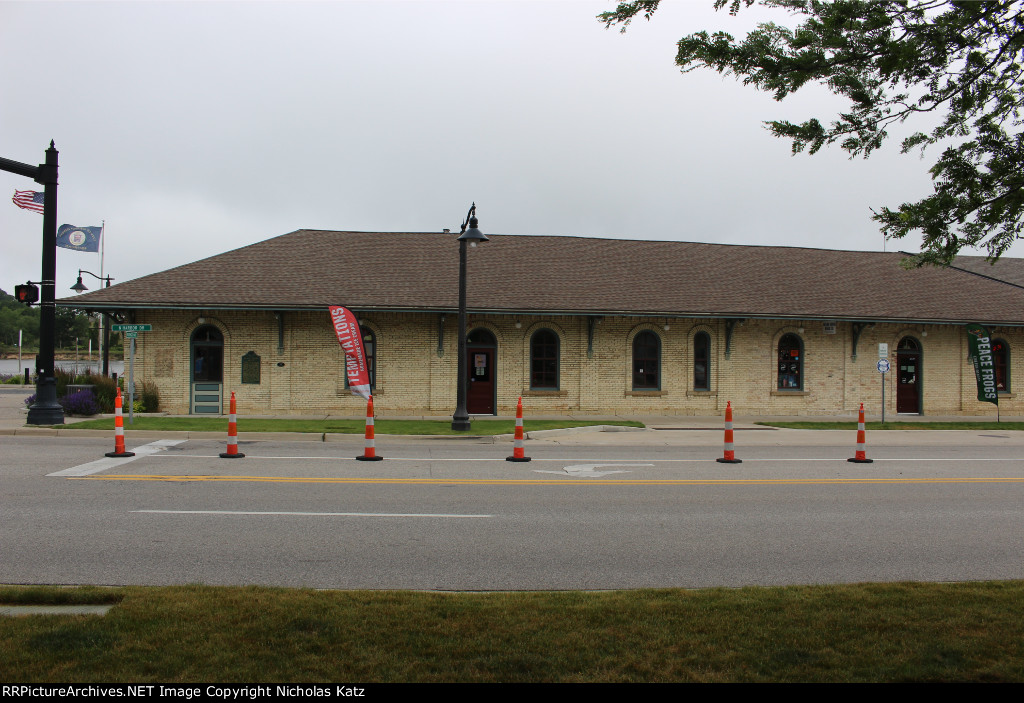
point(545, 394)
point(701, 394)
point(793, 393)
point(1009, 395)
point(646, 394)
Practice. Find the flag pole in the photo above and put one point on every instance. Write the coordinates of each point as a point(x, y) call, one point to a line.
point(103, 318)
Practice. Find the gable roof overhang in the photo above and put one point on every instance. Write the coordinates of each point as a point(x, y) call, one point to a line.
point(544, 275)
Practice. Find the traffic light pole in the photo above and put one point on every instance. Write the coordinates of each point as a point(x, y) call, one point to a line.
point(46, 410)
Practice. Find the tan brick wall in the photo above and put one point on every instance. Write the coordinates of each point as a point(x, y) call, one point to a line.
point(305, 375)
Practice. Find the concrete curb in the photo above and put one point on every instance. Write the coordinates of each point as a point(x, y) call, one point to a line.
point(299, 436)
point(541, 434)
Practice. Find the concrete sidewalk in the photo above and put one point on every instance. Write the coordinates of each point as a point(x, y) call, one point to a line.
point(681, 430)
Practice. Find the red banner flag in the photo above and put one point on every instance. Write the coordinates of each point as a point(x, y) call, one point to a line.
point(351, 340)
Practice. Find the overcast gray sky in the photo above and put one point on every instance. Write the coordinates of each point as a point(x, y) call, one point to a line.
point(193, 128)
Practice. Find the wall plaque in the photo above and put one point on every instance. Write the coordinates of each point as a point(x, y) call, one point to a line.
point(251, 368)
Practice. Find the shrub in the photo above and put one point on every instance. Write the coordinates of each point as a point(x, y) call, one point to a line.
point(63, 378)
point(150, 397)
point(106, 390)
point(80, 403)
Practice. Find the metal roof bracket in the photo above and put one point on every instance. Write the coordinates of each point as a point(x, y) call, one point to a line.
point(729, 326)
point(858, 327)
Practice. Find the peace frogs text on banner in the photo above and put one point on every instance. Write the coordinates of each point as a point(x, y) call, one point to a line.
point(980, 347)
point(351, 340)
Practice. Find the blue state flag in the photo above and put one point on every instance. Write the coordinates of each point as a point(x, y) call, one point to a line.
point(79, 238)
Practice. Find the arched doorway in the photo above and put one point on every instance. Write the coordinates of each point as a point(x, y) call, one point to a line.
point(908, 376)
point(206, 364)
point(481, 370)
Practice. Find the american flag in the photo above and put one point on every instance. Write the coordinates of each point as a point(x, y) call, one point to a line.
point(29, 200)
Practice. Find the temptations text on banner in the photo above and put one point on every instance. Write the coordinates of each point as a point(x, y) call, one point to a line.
point(346, 326)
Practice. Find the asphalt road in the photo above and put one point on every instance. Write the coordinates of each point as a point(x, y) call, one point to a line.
point(590, 511)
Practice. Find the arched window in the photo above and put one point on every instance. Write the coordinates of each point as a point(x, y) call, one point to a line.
point(370, 350)
point(791, 363)
point(646, 361)
point(207, 355)
point(702, 361)
point(1001, 360)
point(544, 360)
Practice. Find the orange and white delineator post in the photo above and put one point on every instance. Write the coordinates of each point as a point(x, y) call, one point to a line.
point(730, 453)
point(370, 452)
point(518, 452)
point(118, 430)
point(232, 452)
point(861, 457)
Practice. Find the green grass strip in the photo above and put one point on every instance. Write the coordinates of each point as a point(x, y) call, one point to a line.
point(851, 633)
point(381, 426)
point(966, 425)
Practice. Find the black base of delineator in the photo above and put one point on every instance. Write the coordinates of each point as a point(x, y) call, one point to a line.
point(237, 455)
point(722, 460)
point(517, 458)
point(119, 455)
point(369, 458)
point(861, 461)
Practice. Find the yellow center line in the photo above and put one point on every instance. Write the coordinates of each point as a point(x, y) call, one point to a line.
point(547, 482)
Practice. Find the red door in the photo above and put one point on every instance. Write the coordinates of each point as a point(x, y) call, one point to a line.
point(480, 390)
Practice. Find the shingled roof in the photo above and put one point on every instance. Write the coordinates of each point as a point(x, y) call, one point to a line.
point(1005, 268)
point(311, 269)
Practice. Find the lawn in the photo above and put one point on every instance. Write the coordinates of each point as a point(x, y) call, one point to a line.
point(849, 633)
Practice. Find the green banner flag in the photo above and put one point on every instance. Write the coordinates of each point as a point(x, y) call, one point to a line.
point(980, 348)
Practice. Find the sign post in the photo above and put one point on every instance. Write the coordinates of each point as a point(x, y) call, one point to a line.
point(131, 332)
point(883, 368)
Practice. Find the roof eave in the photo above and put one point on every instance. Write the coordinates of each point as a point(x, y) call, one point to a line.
point(734, 315)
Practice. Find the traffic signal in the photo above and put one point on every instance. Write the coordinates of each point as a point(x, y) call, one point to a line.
point(27, 293)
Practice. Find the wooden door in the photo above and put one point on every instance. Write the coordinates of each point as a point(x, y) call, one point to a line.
point(908, 381)
point(481, 374)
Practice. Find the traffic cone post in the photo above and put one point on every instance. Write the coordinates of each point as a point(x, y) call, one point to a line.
point(370, 452)
point(232, 452)
point(730, 453)
point(518, 452)
point(861, 456)
point(118, 430)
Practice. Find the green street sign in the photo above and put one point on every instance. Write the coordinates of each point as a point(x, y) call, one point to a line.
point(131, 335)
point(132, 328)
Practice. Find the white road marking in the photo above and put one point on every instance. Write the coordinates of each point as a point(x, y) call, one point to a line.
point(588, 470)
point(94, 467)
point(272, 512)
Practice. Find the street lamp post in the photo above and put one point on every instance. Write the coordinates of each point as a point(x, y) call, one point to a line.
point(45, 410)
point(460, 420)
point(79, 287)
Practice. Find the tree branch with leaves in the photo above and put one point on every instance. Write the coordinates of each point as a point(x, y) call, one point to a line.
point(896, 61)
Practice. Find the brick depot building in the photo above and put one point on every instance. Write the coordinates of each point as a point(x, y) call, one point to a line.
point(570, 324)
